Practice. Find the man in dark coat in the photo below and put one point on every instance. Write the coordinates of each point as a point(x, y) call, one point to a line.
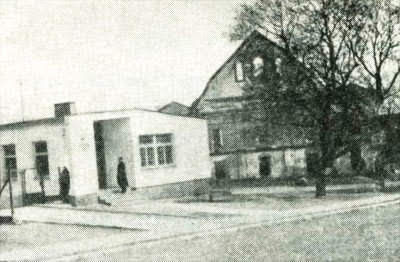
point(121, 175)
point(64, 180)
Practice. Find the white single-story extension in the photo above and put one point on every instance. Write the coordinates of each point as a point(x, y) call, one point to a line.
point(159, 150)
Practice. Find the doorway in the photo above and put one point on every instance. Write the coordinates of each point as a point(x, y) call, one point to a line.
point(100, 154)
point(265, 166)
point(112, 141)
point(220, 170)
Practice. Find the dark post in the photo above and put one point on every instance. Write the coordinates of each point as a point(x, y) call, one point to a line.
point(41, 181)
point(23, 186)
point(11, 193)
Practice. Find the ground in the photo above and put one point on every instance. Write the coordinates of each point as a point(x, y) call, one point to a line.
point(365, 235)
point(37, 234)
point(248, 228)
point(275, 201)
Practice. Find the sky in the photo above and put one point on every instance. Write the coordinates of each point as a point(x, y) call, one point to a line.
point(108, 54)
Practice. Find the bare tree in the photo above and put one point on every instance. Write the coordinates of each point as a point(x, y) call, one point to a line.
point(378, 53)
point(321, 88)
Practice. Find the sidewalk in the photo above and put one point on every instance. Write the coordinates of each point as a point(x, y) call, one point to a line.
point(296, 189)
point(165, 220)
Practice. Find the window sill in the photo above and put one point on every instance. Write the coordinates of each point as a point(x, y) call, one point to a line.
point(158, 167)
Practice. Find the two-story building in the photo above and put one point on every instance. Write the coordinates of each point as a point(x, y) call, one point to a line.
point(242, 144)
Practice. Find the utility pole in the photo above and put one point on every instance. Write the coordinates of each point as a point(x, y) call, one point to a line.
point(21, 100)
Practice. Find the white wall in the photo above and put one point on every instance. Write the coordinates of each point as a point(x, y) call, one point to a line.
point(24, 137)
point(82, 156)
point(191, 152)
point(72, 144)
point(190, 138)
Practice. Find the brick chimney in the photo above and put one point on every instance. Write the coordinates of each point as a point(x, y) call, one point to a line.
point(64, 109)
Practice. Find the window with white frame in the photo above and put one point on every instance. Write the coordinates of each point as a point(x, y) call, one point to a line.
point(278, 65)
point(156, 150)
point(239, 71)
point(258, 66)
point(10, 160)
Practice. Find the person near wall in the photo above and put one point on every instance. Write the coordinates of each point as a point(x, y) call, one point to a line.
point(64, 180)
point(121, 175)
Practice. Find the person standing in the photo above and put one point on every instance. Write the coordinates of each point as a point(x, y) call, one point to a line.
point(64, 181)
point(121, 175)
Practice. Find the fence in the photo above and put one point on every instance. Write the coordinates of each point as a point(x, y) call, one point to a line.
point(8, 183)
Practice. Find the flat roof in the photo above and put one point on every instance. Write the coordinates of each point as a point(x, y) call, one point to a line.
point(51, 120)
point(136, 109)
point(54, 120)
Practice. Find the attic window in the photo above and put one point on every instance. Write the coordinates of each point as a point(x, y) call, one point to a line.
point(258, 66)
point(239, 71)
point(278, 65)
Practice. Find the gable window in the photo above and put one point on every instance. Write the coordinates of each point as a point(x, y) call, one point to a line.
point(217, 139)
point(10, 161)
point(278, 65)
point(156, 150)
point(42, 159)
point(258, 66)
point(239, 71)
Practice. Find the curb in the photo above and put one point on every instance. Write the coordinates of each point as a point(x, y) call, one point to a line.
point(234, 228)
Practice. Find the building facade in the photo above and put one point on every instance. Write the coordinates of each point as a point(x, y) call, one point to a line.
point(167, 152)
point(242, 145)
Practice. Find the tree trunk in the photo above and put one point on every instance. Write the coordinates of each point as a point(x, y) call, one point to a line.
point(382, 183)
point(320, 186)
point(327, 151)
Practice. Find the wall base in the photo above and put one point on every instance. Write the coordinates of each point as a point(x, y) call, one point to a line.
point(83, 200)
point(186, 188)
point(5, 201)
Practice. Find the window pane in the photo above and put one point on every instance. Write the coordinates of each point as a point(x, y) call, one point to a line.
point(258, 66)
point(41, 147)
point(161, 155)
point(143, 156)
point(168, 154)
point(239, 71)
point(150, 156)
point(145, 139)
point(165, 138)
point(11, 163)
point(217, 137)
point(9, 150)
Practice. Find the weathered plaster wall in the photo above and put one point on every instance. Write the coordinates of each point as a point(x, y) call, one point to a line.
point(253, 163)
point(247, 165)
point(224, 83)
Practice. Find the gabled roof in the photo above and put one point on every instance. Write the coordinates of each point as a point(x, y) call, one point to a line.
point(175, 108)
point(171, 104)
point(254, 34)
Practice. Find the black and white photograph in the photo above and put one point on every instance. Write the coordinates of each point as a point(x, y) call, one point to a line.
point(199, 130)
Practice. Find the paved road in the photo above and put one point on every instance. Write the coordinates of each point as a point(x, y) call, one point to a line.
point(195, 220)
point(364, 235)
